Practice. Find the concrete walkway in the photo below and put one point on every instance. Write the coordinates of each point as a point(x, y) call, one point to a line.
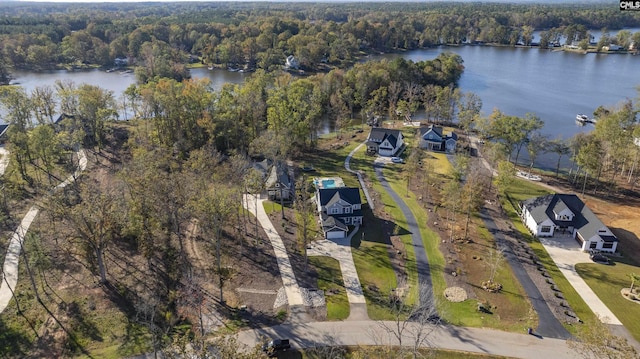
point(566, 253)
point(355, 333)
point(340, 249)
point(12, 259)
point(347, 166)
point(291, 287)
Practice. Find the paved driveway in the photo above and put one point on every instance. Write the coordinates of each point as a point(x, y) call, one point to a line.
point(422, 263)
point(340, 249)
point(548, 324)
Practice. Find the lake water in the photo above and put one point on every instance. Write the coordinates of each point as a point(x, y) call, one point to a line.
point(554, 85)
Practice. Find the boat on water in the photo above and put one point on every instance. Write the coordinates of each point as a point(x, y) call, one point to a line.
point(582, 118)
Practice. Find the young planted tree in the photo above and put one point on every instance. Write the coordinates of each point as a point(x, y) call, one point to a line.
point(633, 277)
point(472, 197)
point(495, 260)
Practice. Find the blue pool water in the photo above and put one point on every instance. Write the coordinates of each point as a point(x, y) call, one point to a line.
point(328, 183)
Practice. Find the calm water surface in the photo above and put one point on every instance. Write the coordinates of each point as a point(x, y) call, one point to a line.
point(554, 85)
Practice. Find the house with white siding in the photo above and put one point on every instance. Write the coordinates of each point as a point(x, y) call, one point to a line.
point(566, 214)
point(384, 141)
point(339, 208)
point(433, 138)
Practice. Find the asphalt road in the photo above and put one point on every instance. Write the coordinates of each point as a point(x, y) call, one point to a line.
point(354, 333)
point(422, 262)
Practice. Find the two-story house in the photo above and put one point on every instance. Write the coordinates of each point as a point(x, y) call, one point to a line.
point(338, 208)
point(277, 180)
point(384, 141)
point(433, 138)
point(566, 214)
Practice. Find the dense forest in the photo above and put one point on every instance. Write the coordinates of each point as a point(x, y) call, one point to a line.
point(164, 39)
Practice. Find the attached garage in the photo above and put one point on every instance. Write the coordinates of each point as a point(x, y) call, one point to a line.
point(334, 229)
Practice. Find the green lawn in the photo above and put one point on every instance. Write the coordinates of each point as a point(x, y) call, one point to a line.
point(518, 191)
point(607, 281)
point(330, 281)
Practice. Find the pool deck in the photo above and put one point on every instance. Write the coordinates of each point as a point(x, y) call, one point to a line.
point(336, 182)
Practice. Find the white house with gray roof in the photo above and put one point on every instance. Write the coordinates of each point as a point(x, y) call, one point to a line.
point(558, 214)
point(338, 208)
point(384, 141)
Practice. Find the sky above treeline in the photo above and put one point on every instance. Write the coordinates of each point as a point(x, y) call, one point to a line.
point(335, 1)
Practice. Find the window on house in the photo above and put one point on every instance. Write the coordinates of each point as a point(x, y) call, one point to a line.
point(545, 229)
point(346, 220)
point(334, 211)
point(593, 245)
point(607, 245)
point(347, 210)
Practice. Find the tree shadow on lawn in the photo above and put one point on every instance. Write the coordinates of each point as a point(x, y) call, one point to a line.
point(599, 272)
point(628, 245)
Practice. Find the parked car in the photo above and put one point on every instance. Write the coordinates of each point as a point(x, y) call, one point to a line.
point(276, 345)
point(396, 160)
point(600, 258)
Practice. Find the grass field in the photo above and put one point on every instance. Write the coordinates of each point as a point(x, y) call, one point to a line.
point(606, 282)
point(330, 281)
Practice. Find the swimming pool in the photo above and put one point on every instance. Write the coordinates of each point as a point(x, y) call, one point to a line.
point(325, 183)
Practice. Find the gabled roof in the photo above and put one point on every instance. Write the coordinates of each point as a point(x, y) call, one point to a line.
point(328, 196)
point(584, 220)
point(378, 134)
point(278, 174)
point(330, 222)
point(262, 166)
point(436, 129)
point(393, 140)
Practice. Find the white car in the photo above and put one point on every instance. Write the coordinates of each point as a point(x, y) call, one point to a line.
point(396, 160)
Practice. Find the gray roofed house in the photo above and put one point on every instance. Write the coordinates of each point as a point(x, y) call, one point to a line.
point(338, 208)
point(433, 138)
point(277, 180)
point(384, 141)
point(566, 214)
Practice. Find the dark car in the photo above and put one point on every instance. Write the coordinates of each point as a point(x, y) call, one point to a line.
point(599, 258)
point(276, 345)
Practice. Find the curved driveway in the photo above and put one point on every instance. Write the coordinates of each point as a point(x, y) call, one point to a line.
point(422, 263)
